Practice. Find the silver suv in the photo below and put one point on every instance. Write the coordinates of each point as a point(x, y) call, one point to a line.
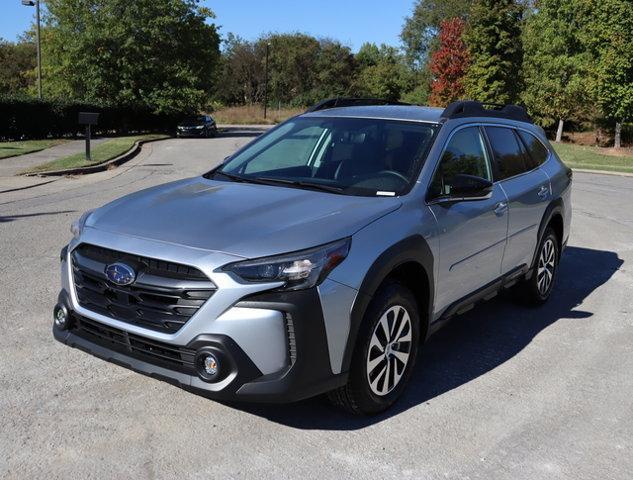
point(320, 257)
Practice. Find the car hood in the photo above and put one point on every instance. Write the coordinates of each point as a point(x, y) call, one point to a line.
point(242, 219)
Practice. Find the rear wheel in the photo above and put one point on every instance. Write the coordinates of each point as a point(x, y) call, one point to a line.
point(538, 287)
point(385, 353)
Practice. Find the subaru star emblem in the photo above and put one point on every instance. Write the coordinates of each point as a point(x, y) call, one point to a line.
point(120, 273)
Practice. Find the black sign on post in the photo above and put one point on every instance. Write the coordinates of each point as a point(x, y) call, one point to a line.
point(88, 119)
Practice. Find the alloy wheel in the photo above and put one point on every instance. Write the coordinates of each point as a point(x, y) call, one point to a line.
point(389, 350)
point(546, 266)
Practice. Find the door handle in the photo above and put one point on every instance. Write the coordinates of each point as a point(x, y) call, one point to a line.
point(501, 208)
point(543, 191)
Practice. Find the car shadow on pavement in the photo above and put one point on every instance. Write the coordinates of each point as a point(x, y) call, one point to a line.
point(470, 346)
point(12, 218)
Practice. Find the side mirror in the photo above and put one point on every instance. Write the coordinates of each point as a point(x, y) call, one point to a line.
point(468, 186)
point(462, 187)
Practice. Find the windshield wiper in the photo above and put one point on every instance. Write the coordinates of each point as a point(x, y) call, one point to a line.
point(232, 176)
point(283, 181)
point(241, 178)
point(301, 183)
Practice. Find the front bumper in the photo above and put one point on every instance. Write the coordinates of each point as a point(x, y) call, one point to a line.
point(192, 132)
point(308, 372)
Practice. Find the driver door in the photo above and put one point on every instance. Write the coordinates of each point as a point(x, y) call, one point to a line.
point(472, 232)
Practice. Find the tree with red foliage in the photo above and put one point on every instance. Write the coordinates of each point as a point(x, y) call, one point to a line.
point(449, 63)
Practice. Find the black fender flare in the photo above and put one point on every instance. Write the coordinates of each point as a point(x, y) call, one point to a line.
point(556, 207)
point(411, 249)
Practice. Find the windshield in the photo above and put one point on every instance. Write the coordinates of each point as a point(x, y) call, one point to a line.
point(193, 120)
point(353, 156)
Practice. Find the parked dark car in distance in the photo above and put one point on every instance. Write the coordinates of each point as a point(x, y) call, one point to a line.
point(197, 126)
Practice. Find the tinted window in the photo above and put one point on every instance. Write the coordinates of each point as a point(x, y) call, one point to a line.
point(507, 151)
point(465, 154)
point(537, 153)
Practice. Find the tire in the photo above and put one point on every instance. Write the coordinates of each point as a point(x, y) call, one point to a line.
point(368, 390)
point(538, 288)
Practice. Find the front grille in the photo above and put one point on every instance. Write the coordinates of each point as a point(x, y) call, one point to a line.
point(163, 297)
point(158, 353)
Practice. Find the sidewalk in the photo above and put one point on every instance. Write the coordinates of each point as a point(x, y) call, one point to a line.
point(13, 165)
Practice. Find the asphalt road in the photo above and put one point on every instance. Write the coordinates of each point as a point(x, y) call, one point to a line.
point(503, 392)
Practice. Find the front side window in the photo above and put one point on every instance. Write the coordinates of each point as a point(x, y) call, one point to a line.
point(464, 154)
point(508, 153)
point(352, 156)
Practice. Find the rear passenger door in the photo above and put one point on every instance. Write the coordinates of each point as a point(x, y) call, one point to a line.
point(527, 188)
point(472, 232)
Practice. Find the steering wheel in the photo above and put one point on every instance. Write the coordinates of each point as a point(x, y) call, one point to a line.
point(393, 173)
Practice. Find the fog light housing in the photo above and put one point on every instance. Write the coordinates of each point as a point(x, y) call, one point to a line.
point(208, 365)
point(60, 317)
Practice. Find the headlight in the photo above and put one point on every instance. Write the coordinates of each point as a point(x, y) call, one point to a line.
point(78, 225)
point(199, 127)
point(297, 270)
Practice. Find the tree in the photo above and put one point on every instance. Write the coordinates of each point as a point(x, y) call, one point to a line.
point(302, 69)
point(421, 28)
point(158, 53)
point(241, 78)
point(17, 60)
point(449, 63)
point(382, 72)
point(494, 44)
point(334, 73)
point(607, 34)
point(555, 63)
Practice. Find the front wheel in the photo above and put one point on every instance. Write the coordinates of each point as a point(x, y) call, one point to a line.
point(385, 353)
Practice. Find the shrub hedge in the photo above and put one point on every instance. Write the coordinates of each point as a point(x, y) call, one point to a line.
point(27, 118)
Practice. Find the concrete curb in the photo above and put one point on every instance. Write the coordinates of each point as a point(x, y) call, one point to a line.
point(100, 167)
point(603, 172)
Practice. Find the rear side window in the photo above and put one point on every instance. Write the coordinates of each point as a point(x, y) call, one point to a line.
point(537, 153)
point(508, 153)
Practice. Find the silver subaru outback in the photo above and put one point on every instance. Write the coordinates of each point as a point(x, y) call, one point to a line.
point(320, 257)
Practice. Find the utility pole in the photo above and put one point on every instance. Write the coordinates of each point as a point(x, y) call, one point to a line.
point(266, 81)
point(36, 3)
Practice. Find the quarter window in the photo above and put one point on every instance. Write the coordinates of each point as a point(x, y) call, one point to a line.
point(464, 154)
point(537, 153)
point(508, 153)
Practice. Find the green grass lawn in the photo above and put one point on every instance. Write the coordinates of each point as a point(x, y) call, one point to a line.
point(592, 158)
point(13, 149)
point(100, 153)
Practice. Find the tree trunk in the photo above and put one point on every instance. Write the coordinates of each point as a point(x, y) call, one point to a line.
point(559, 131)
point(618, 134)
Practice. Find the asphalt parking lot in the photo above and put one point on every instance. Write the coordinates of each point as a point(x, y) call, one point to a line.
point(503, 392)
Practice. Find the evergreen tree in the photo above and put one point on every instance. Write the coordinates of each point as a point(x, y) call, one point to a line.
point(494, 44)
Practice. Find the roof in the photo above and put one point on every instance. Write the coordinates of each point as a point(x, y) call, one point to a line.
point(389, 112)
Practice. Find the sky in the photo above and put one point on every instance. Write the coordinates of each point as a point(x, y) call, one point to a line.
point(352, 22)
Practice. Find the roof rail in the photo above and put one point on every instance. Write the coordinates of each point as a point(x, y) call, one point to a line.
point(471, 108)
point(339, 102)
